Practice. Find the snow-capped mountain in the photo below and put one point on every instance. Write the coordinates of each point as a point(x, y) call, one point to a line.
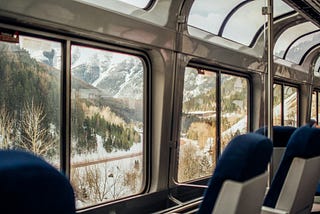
point(118, 76)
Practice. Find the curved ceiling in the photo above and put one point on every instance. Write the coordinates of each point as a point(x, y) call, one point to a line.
point(232, 23)
point(296, 41)
point(236, 20)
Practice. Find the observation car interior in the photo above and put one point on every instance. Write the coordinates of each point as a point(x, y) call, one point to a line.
point(140, 106)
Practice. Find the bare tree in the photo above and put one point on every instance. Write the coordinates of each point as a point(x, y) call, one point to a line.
point(116, 180)
point(6, 126)
point(35, 137)
point(94, 183)
point(188, 162)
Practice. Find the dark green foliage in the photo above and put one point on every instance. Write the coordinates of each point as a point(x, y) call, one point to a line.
point(22, 79)
point(115, 137)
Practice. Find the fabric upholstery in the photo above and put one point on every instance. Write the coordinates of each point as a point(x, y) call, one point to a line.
point(245, 157)
point(303, 143)
point(281, 134)
point(30, 185)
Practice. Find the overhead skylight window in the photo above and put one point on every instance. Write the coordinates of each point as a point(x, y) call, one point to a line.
point(209, 16)
point(137, 3)
point(317, 66)
point(290, 35)
point(236, 20)
point(300, 47)
point(123, 6)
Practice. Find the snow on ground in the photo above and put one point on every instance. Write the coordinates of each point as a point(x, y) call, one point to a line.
point(101, 153)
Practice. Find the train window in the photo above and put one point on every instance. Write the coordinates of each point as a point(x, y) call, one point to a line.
point(318, 105)
point(210, 17)
point(290, 106)
point(226, 19)
point(285, 105)
point(235, 32)
point(317, 67)
point(137, 3)
point(290, 35)
point(30, 97)
point(298, 49)
point(277, 104)
point(199, 145)
point(107, 125)
point(314, 107)
point(234, 107)
point(197, 152)
point(124, 6)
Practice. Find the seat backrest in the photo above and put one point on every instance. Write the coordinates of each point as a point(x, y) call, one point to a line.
point(241, 200)
point(303, 143)
point(244, 158)
point(298, 190)
point(281, 136)
point(30, 185)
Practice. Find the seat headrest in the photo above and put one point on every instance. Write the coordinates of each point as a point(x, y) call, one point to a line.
point(281, 134)
point(303, 143)
point(245, 157)
point(30, 185)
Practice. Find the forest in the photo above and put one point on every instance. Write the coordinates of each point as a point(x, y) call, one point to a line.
point(30, 93)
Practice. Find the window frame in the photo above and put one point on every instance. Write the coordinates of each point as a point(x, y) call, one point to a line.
point(219, 71)
point(65, 95)
point(282, 85)
point(317, 101)
point(146, 150)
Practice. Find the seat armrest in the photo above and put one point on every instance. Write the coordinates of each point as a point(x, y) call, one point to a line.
point(269, 210)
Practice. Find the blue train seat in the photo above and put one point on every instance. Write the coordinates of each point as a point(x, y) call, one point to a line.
point(30, 185)
point(246, 157)
point(295, 181)
point(281, 136)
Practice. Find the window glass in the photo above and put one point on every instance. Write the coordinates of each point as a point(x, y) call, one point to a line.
point(277, 104)
point(197, 145)
point(137, 3)
point(30, 97)
point(244, 23)
point(234, 107)
point(314, 106)
point(318, 113)
point(316, 69)
point(301, 46)
point(290, 106)
point(208, 16)
point(285, 105)
point(291, 34)
point(123, 6)
point(107, 125)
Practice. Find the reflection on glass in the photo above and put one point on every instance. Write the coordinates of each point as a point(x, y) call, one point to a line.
point(234, 107)
point(246, 21)
point(291, 34)
point(318, 112)
point(208, 16)
point(317, 67)
point(107, 125)
point(198, 140)
point(137, 3)
point(277, 105)
point(243, 24)
point(290, 106)
point(301, 46)
point(30, 97)
point(197, 147)
point(314, 106)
